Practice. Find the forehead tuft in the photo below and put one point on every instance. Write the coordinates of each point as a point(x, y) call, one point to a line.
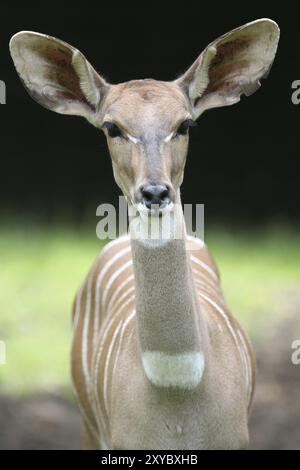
point(148, 90)
point(147, 95)
point(146, 101)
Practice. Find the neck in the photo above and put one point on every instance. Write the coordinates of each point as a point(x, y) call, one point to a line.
point(170, 333)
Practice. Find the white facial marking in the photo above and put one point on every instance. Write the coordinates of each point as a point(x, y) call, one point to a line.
point(169, 137)
point(177, 370)
point(133, 139)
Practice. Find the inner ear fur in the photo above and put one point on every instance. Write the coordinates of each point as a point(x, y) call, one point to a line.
point(57, 75)
point(231, 66)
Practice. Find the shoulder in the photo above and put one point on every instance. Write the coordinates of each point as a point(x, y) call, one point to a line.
point(201, 255)
point(119, 246)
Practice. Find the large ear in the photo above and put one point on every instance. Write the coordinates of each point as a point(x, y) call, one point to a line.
point(57, 75)
point(230, 66)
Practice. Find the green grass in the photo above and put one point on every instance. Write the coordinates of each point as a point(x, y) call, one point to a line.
point(260, 273)
point(41, 268)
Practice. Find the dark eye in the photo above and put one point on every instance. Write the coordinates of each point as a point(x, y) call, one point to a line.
point(184, 127)
point(112, 129)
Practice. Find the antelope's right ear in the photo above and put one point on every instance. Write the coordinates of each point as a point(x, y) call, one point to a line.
point(57, 75)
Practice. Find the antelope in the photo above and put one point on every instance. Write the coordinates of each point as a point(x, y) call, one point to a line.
point(158, 361)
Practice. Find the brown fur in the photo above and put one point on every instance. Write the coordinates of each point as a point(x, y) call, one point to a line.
point(139, 299)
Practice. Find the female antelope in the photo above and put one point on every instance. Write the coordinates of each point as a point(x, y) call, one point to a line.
point(158, 361)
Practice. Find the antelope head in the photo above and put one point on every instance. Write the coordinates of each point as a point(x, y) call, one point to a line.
point(146, 122)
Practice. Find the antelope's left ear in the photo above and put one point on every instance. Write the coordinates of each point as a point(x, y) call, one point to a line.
point(230, 66)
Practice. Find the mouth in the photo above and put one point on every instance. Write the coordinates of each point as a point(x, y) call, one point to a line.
point(155, 212)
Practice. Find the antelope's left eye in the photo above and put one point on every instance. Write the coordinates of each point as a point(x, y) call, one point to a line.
point(184, 127)
point(112, 129)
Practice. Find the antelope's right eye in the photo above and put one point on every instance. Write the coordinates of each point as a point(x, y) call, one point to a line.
point(112, 129)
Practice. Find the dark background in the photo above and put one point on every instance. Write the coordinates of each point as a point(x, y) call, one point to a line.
point(243, 164)
point(243, 161)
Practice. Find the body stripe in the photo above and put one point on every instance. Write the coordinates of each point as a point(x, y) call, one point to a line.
point(99, 350)
point(107, 364)
point(104, 270)
point(85, 331)
point(204, 266)
point(125, 323)
point(118, 290)
point(123, 297)
point(114, 276)
point(249, 378)
point(230, 328)
point(77, 307)
point(104, 311)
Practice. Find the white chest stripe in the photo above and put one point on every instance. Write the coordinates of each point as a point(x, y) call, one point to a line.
point(249, 376)
point(111, 262)
point(233, 334)
point(111, 280)
point(107, 364)
point(85, 331)
point(124, 297)
point(204, 266)
point(107, 247)
point(177, 370)
point(128, 264)
point(88, 422)
point(78, 308)
point(199, 242)
point(125, 323)
point(182, 371)
point(98, 352)
point(117, 291)
point(101, 275)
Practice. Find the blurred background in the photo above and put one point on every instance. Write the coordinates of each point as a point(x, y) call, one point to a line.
point(243, 165)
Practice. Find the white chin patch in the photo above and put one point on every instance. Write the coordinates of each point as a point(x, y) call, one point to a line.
point(154, 228)
point(177, 370)
point(152, 214)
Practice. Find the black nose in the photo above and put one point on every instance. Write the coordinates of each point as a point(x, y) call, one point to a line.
point(155, 194)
